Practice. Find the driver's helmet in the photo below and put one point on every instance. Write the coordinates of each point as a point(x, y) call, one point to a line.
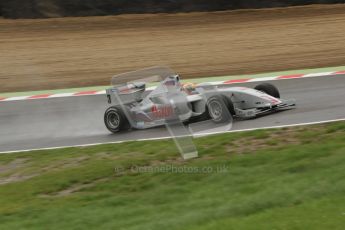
point(189, 87)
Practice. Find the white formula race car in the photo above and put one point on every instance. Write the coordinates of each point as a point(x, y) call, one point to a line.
point(132, 106)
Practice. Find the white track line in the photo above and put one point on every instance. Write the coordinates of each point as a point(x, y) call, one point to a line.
point(164, 138)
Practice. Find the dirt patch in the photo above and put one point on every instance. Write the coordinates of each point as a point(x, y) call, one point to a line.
point(15, 164)
point(17, 177)
point(73, 189)
point(275, 139)
point(8, 172)
point(77, 52)
point(14, 171)
point(66, 163)
point(252, 144)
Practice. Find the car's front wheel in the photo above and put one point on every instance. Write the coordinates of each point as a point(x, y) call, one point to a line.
point(268, 89)
point(115, 120)
point(219, 109)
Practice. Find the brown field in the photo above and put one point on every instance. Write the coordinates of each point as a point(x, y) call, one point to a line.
point(76, 52)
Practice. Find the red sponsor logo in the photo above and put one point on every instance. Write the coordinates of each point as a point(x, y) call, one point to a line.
point(162, 111)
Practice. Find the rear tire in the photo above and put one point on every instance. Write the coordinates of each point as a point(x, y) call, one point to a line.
point(268, 89)
point(220, 109)
point(115, 120)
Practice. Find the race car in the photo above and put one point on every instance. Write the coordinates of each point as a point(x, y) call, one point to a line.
point(134, 107)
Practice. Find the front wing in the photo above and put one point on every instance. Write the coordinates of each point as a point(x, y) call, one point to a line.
point(254, 112)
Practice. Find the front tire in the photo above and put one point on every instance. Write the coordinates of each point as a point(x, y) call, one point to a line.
point(115, 120)
point(220, 109)
point(268, 89)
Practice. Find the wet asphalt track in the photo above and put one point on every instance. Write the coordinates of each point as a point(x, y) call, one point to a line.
point(70, 121)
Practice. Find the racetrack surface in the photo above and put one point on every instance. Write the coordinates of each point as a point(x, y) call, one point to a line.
point(74, 121)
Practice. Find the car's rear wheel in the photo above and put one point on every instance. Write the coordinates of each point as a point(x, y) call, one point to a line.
point(220, 109)
point(115, 120)
point(268, 89)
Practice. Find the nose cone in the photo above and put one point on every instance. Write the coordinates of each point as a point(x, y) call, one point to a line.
point(270, 99)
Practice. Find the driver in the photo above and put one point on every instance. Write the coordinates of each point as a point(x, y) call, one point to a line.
point(189, 88)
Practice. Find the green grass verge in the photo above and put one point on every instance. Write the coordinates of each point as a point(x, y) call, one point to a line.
point(290, 178)
point(197, 80)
